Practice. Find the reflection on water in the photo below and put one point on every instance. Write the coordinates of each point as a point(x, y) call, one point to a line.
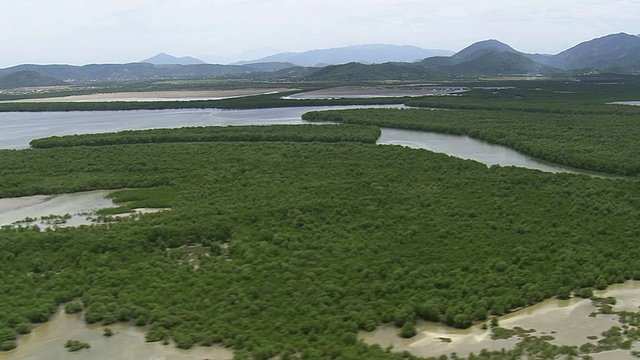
point(567, 321)
point(46, 342)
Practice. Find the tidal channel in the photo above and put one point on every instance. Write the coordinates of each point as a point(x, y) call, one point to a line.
point(17, 129)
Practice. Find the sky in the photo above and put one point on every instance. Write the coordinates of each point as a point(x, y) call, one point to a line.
point(82, 32)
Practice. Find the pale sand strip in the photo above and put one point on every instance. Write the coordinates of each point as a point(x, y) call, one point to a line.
point(158, 95)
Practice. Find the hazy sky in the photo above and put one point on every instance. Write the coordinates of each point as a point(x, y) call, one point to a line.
point(115, 31)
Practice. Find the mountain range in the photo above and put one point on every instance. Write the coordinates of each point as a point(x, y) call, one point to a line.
point(615, 52)
point(366, 54)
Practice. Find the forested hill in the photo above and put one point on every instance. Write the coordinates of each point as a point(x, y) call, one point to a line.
point(140, 71)
point(386, 71)
point(28, 78)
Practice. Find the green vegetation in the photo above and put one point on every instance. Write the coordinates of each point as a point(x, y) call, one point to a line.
point(28, 79)
point(107, 332)
point(288, 249)
point(603, 143)
point(73, 307)
point(590, 96)
point(76, 345)
point(303, 133)
point(388, 71)
point(502, 333)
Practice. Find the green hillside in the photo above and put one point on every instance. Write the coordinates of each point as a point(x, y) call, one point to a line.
point(28, 78)
point(386, 71)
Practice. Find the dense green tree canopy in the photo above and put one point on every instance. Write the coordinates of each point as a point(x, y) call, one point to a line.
point(283, 248)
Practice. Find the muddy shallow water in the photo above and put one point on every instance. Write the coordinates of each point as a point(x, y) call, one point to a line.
point(567, 321)
point(46, 342)
point(80, 206)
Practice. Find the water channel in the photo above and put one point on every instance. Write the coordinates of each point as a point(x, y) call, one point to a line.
point(18, 129)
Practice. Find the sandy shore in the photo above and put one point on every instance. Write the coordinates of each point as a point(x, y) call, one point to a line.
point(158, 95)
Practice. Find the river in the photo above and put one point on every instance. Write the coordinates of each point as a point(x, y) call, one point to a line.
point(17, 129)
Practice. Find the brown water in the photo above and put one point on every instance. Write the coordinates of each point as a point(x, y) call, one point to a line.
point(568, 321)
point(46, 342)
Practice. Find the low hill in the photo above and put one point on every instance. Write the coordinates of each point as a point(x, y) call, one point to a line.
point(166, 59)
point(141, 71)
point(370, 54)
point(489, 57)
point(499, 63)
point(482, 47)
point(27, 78)
point(363, 72)
point(615, 50)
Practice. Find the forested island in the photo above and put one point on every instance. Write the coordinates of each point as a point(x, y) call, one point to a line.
point(285, 242)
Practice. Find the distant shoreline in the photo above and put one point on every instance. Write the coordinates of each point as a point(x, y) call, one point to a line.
point(176, 95)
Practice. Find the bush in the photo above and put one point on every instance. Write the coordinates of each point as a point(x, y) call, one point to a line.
point(408, 330)
point(73, 307)
point(585, 293)
point(8, 345)
point(76, 345)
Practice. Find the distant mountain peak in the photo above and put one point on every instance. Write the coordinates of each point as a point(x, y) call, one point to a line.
point(614, 50)
point(166, 59)
point(484, 46)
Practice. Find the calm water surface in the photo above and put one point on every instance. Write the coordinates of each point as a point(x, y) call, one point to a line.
point(18, 129)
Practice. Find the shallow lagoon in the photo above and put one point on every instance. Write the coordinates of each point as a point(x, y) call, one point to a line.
point(80, 206)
